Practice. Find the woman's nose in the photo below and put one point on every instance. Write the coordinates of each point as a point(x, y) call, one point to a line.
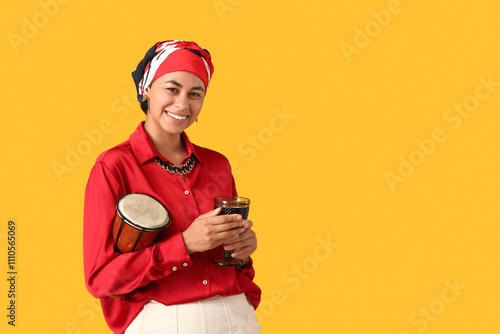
point(181, 101)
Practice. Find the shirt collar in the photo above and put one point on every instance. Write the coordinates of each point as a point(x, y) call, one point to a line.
point(143, 148)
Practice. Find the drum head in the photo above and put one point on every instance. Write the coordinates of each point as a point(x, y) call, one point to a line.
point(143, 211)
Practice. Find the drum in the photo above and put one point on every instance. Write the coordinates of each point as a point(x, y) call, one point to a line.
point(138, 223)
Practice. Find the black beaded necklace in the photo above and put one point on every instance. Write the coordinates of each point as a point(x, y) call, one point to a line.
point(177, 170)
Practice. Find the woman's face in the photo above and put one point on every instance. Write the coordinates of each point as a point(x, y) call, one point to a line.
point(175, 101)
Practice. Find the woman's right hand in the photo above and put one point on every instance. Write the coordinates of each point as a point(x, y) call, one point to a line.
point(211, 230)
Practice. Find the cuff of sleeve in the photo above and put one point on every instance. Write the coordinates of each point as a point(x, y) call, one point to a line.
point(173, 252)
point(248, 264)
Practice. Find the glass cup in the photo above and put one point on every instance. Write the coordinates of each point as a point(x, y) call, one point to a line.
point(231, 205)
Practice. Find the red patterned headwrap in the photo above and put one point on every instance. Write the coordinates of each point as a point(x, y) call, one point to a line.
point(170, 56)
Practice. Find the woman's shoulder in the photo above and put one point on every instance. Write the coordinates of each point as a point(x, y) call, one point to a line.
point(209, 155)
point(116, 155)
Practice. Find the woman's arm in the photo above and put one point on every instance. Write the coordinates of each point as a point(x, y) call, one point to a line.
point(106, 271)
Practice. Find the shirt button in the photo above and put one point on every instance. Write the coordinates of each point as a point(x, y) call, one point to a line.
point(174, 268)
point(205, 282)
point(185, 264)
point(186, 192)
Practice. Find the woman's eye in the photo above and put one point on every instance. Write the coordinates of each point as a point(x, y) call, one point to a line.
point(172, 89)
point(195, 94)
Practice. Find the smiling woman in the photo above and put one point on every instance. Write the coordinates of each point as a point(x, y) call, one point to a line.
point(171, 286)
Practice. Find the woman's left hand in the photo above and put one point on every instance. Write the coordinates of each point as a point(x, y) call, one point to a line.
point(244, 244)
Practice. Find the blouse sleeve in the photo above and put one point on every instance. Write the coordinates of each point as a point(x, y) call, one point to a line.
point(106, 271)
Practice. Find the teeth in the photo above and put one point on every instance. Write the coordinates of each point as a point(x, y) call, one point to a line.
point(176, 116)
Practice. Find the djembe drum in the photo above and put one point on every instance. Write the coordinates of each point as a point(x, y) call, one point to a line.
point(138, 223)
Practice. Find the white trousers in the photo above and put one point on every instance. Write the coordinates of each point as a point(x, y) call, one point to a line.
point(216, 315)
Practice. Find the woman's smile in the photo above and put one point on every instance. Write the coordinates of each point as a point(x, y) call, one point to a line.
point(176, 116)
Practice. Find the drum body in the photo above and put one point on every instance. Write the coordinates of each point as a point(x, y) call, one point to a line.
point(139, 222)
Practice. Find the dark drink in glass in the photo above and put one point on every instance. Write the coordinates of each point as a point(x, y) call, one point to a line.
point(231, 205)
point(243, 211)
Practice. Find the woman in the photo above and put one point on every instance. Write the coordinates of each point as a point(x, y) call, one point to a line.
point(172, 286)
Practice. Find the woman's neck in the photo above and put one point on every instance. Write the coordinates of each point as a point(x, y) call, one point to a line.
point(170, 146)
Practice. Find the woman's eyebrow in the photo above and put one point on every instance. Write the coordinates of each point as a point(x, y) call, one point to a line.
point(174, 83)
point(180, 86)
point(198, 88)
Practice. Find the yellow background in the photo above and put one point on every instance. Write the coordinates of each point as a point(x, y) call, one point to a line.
point(316, 176)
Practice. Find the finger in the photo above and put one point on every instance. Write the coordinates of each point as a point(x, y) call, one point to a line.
point(247, 224)
point(227, 236)
point(243, 253)
point(246, 234)
point(222, 219)
point(237, 244)
point(231, 225)
point(212, 213)
point(242, 240)
point(234, 245)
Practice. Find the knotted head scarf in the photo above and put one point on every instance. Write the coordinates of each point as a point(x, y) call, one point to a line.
point(170, 56)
